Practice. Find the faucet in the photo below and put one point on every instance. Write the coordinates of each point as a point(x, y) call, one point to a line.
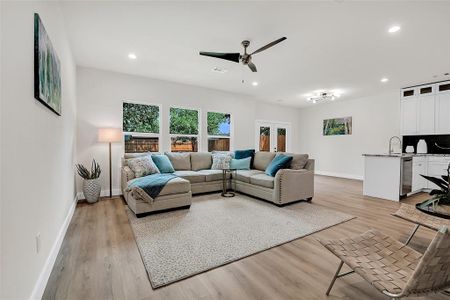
point(390, 144)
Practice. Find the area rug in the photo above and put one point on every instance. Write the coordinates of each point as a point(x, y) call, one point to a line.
point(216, 231)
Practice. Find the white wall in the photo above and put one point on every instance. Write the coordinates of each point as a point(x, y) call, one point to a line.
point(37, 151)
point(375, 120)
point(101, 93)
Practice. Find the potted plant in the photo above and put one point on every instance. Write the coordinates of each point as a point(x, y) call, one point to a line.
point(91, 182)
point(441, 196)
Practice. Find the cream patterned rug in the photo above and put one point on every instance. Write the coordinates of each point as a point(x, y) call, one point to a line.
point(216, 231)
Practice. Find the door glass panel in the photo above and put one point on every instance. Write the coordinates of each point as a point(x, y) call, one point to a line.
point(426, 90)
point(408, 93)
point(281, 139)
point(264, 138)
point(444, 87)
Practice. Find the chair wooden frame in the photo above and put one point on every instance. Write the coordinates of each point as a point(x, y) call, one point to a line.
point(412, 214)
point(393, 268)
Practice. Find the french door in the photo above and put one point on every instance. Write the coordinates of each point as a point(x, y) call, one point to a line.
point(273, 136)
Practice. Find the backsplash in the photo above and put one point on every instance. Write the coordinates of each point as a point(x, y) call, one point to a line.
point(431, 140)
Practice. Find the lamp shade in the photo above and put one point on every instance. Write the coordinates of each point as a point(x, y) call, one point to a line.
point(109, 135)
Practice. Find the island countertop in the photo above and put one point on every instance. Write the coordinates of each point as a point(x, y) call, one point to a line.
point(404, 154)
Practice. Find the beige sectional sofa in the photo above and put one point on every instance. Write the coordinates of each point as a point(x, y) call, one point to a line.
point(195, 176)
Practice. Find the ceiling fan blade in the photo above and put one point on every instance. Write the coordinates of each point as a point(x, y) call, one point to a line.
point(269, 45)
point(227, 56)
point(252, 67)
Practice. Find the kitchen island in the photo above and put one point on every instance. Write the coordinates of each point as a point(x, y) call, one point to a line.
point(387, 176)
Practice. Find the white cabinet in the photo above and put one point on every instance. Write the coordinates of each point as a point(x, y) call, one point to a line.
point(419, 168)
point(426, 114)
point(409, 117)
point(443, 108)
point(426, 109)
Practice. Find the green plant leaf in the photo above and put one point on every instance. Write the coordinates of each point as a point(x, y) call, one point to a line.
point(438, 181)
point(437, 192)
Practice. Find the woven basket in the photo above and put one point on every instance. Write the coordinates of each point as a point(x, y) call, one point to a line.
point(91, 190)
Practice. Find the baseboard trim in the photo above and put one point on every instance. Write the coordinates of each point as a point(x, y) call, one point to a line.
point(103, 193)
point(340, 175)
point(39, 287)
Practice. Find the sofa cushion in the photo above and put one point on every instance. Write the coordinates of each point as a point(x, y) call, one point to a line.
point(262, 160)
point(212, 175)
point(279, 162)
point(244, 175)
point(201, 161)
point(262, 180)
point(163, 163)
point(173, 186)
point(142, 166)
point(180, 161)
point(220, 161)
point(192, 176)
point(298, 160)
point(241, 164)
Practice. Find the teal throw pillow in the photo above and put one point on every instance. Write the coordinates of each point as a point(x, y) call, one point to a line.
point(279, 162)
point(163, 163)
point(240, 154)
point(241, 164)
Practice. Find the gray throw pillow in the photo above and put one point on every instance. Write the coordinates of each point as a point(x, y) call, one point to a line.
point(221, 161)
point(142, 166)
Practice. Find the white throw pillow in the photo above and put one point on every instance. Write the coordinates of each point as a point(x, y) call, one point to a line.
point(221, 161)
point(142, 166)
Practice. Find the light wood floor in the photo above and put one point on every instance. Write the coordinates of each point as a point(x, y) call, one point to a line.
point(99, 258)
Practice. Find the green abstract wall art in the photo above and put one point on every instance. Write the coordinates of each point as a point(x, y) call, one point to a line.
point(47, 77)
point(337, 126)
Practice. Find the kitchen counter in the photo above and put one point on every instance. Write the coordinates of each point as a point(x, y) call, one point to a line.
point(383, 175)
point(404, 154)
point(391, 176)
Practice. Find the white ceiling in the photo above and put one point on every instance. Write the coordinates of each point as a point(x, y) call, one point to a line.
point(330, 45)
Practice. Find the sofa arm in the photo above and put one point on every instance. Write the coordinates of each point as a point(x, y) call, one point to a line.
point(292, 185)
point(127, 175)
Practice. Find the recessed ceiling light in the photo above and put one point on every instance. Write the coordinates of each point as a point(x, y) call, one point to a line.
point(394, 28)
point(254, 83)
point(384, 79)
point(219, 70)
point(132, 56)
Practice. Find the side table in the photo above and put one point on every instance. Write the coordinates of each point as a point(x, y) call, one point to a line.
point(228, 178)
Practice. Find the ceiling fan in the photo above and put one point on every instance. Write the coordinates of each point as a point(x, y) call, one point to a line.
point(245, 58)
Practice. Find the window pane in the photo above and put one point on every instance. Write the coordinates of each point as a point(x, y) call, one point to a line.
point(281, 139)
point(264, 138)
point(218, 144)
point(218, 124)
point(183, 121)
point(135, 144)
point(183, 144)
point(140, 118)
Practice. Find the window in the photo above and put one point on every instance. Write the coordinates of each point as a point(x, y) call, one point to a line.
point(184, 129)
point(218, 131)
point(264, 138)
point(141, 126)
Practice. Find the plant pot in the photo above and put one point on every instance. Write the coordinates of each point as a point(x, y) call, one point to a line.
point(91, 190)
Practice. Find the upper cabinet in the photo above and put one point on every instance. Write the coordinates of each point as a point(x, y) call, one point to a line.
point(443, 108)
point(426, 109)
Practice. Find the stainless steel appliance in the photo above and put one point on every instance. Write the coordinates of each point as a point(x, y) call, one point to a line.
point(406, 176)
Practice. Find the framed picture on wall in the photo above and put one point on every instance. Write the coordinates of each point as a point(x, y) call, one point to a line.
point(47, 76)
point(337, 126)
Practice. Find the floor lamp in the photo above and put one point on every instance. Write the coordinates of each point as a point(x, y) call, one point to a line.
point(109, 135)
